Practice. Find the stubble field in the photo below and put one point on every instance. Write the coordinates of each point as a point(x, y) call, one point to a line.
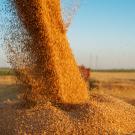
point(117, 84)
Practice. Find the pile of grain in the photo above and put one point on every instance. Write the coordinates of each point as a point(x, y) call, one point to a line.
point(102, 115)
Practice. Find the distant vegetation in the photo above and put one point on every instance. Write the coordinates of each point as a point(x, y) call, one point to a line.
point(113, 70)
point(6, 71)
point(9, 71)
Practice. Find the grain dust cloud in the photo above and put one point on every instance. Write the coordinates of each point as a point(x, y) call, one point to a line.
point(56, 98)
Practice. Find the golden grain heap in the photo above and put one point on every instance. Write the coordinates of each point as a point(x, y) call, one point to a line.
point(49, 77)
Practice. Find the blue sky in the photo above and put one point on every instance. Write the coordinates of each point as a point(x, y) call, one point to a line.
point(102, 34)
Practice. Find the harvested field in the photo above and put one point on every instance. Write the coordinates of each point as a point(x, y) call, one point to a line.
point(7, 80)
point(114, 76)
point(118, 84)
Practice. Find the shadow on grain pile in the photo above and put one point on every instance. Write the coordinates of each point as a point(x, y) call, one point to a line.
point(56, 100)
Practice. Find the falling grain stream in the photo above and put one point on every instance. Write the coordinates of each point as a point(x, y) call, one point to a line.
point(59, 77)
